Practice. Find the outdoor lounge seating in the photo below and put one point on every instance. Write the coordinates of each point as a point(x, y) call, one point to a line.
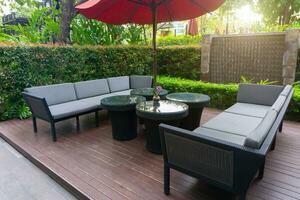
point(54, 103)
point(230, 149)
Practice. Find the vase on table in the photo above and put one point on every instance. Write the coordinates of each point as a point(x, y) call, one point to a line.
point(156, 99)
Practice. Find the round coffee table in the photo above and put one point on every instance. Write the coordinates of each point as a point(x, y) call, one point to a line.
point(122, 115)
point(168, 112)
point(148, 93)
point(196, 103)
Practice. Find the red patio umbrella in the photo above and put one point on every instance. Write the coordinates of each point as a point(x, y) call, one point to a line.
point(193, 27)
point(146, 12)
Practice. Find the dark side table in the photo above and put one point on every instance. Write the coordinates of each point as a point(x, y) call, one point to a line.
point(122, 115)
point(148, 93)
point(196, 103)
point(168, 112)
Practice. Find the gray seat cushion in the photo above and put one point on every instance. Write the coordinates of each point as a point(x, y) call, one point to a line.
point(279, 103)
point(258, 135)
point(233, 123)
point(91, 88)
point(95, 101)
point(249, 109)
point(118, 83)
point(140, 81)
point(54, 94)
point(286, 91)
point(70, 108)
point(224, 136)
point(258, 94)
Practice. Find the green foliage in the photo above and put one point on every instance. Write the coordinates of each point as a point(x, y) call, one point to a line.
point(278, 11)
point(92, 32)
point(262, 82)
point(222, 95)
point(26, 66)
point(43, 27)
point(179, 40)
point(185, 64)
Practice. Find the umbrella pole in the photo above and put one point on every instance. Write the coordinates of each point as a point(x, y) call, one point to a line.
point(154, 51)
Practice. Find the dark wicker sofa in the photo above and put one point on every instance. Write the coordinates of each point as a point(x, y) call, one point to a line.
point(231, 148)
point(54, 103)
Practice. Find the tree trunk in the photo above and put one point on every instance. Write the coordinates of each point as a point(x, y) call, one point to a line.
point(287, 12)
point(68, 12)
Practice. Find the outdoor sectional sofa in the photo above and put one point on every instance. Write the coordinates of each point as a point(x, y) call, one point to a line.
point(54, 103)
point(228, 150)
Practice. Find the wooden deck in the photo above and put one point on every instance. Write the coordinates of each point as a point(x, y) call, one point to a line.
point(93, 165)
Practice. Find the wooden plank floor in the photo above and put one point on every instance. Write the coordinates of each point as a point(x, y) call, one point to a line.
point(102, 168)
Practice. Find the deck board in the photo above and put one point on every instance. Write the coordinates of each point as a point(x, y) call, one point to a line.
point(99, 167)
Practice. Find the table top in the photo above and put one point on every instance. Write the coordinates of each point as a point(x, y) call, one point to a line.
point(121, 102)
point(192, 99)
point(164, 110)
point(146, 92)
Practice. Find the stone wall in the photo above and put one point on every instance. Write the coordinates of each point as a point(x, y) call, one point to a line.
point(262, 56)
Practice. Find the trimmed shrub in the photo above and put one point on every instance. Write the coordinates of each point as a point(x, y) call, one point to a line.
point(179, 40)
point(31, 65)
point(222, 95)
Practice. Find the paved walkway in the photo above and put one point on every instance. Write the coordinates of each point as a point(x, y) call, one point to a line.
point(21, 180)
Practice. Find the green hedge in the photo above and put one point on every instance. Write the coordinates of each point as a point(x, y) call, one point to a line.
point(25, 66)
point(222, 95)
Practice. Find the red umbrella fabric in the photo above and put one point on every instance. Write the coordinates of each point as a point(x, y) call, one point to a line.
point(140, 11)
point(193, 27)
point(146, 12)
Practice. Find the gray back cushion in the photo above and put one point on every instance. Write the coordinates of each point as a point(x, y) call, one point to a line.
point(258, 94)
point(286, 91)
point(140, 81)
point(54, 94)
point(91, 88)
point(258, 135)
point(279, 103)
point(118, 83)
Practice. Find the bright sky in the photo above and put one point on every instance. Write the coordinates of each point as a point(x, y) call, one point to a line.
point(246, 15)
point(5, 8)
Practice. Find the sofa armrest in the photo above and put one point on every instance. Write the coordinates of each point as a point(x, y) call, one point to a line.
point(258, 94)
point(214, 160)
point(38, 106)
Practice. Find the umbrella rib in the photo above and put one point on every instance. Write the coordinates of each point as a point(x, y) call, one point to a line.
point(168, 11)
point(133, 13)
point(198, 5)
point(140, 2)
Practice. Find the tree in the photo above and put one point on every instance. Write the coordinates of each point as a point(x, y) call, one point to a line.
point(280, 12)
point(42, 27)
point(68, 13)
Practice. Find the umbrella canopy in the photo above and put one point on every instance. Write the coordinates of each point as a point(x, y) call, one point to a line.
point(193, 27)
point(146, 12)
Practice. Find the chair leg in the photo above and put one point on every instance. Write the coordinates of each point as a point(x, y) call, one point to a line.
point(97, 118)
point(53, 131)
point(77, 123)
point(34, 124)
point(273, 143)
point(166, 179)
point(261, 171)
point(280, 126)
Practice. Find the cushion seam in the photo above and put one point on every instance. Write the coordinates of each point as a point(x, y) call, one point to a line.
point(243, 114)
point(224, 131)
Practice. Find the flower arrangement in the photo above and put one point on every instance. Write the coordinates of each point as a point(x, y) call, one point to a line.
point(156, 91)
